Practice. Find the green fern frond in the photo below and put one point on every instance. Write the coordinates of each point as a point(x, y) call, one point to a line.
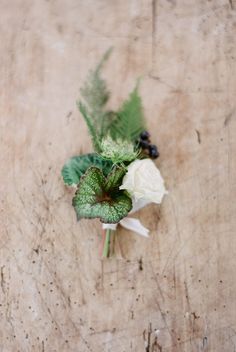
point(95, 95)
point(90, 124)
point(103, 60)
point(129, 122)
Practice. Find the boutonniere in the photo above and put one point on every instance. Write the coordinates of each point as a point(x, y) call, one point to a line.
point(119, 177)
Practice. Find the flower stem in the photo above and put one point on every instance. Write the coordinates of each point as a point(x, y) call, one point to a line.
point(106, 248)
point(112, 246)
point(102, 242)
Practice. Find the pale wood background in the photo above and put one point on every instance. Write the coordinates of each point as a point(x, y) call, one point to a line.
point(56, 294)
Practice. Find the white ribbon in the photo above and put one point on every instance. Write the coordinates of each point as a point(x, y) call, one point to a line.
point(129, 224)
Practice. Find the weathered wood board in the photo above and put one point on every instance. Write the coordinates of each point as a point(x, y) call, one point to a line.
point(175, 291)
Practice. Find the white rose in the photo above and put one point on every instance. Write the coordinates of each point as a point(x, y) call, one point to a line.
point(144, 182)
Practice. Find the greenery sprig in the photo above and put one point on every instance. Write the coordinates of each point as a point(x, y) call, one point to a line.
point(119, 138)
point(98, 175)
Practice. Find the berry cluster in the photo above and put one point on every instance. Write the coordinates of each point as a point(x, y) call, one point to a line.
point(145, 143)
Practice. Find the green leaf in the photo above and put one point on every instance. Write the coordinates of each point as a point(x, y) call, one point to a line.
point(78, 165)
point(95, 96)
point(90, 125)
point(99, 197)
point(130, 119)
point(114, 178)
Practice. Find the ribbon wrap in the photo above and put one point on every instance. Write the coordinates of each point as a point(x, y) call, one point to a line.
point(129, 224)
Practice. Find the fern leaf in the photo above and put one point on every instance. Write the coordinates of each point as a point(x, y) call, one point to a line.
point(95, 95)
point(90, 125)
point(129, 122)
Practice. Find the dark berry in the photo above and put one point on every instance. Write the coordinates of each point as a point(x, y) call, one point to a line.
point(145, 135)
point(144, 144)
point(153, 151)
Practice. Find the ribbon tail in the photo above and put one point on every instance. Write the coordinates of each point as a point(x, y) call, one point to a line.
point(134, 225)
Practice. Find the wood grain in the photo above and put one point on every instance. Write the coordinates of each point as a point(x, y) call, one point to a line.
point(174, 291)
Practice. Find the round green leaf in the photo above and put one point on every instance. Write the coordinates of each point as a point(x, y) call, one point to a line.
point(78, 165)
point(98, 197)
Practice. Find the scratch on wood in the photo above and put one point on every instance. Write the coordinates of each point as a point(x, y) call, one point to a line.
point(151, 345)
point(3, 282)
point(228, 118)
point(204, 342)
point(231, 4)
point(147, 339)
point(198, 136)
point(158, 303)
point(156, 344)
point(68, 116)
point(154, 13)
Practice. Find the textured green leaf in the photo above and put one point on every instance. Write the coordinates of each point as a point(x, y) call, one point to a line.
point(78, 165)
point(114, 178)
point(99, 197)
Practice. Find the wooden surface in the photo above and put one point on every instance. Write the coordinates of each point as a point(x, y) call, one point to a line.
point(175, 291)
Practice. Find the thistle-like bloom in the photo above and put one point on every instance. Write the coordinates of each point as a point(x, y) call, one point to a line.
point(118, 150)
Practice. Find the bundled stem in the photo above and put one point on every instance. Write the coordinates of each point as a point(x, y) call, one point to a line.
point(106, 248)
